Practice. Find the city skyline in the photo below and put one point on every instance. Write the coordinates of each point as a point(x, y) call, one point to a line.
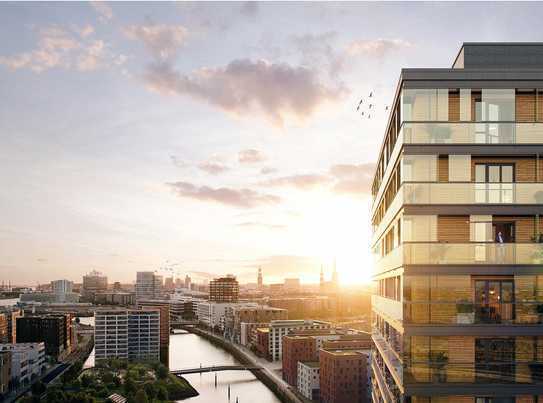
point(198, 137)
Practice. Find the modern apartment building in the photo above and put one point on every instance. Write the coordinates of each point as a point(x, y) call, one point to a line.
point(93, 282)
point(5, 372)
point(27, 361)
point(127, 334)
point(280, 328)
point(53, 330)
point(148, 285)
point(296, 349)
point(457, 234)
point(224, 289)
point(343, 376)
point(308, 380)
point(12, 313)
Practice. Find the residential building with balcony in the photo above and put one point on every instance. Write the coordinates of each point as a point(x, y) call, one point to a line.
point(457, 234)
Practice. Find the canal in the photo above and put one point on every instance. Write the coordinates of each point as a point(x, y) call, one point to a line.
point(188, 350)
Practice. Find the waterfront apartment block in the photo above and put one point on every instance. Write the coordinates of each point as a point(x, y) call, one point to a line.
point(295, 349)
point(280, 328)
point(224, 289)
point(133, 335)
point(308, 379)
point(457, 232)
point(26, 360)
point(343, 376)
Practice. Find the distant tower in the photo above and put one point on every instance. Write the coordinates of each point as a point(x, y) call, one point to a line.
point(335, 280)
point(259, 278)
point(322, 285)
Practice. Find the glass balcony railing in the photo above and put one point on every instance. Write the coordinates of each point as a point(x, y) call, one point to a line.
point(472, 193)
point(470, 313)
point(472, 253)
point(472, 133)
point(480, 373)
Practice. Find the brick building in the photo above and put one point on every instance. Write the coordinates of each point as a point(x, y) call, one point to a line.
point(295, 349)
point(343, 376)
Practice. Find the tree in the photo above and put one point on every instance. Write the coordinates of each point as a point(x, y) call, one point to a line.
point(141, 397)
point(87, 380)
point(162, 393)
point(129, 386)
point(55, 395)
point(150, 390)
point(37, 388)
point(162, 372)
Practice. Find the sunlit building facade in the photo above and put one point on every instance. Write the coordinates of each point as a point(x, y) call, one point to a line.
point(457, 235)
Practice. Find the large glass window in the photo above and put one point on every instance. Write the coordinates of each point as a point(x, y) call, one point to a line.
point(419, 228)
point(425, 104)
point(459, 168)
point(495, 105)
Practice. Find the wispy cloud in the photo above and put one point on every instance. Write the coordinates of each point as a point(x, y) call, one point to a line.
point(250, 156)
point(376, 47)
point(275, 90)
point(161, 40)
point(103, 9)
point(268, 170)
point(68, 49)
point(213, 167)
point(241, 198)
point(304, 181)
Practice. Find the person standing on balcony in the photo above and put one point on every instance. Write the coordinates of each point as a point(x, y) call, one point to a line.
point(501, 247)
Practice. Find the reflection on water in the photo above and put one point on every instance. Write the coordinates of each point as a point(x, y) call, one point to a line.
point(189, 351)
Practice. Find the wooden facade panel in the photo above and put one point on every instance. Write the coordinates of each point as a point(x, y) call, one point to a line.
point(453, 229)
point(443, 169)
point(525, 107)
point(454, 106)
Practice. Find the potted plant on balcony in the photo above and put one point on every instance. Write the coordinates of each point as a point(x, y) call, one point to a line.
point(539, 311)
point(465, 315)
point(438, 364)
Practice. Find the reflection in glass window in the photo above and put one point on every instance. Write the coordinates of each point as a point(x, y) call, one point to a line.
point(425, 104)
point(419, 168)
point(495, 105)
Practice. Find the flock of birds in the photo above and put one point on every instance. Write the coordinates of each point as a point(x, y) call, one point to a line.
point(366, 106)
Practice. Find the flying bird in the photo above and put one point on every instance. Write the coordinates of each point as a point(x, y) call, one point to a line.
point(370, 106)
point(360, 103)
point(362, 114)
point(371, 94)
point(386, 108)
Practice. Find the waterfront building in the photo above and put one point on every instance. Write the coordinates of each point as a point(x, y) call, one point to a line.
point(27, 361)
point(52, 330)
point(280, 328)
point(343, 376)
point(252, 312)
point(132, 335)
point(63, 291)
point(224, 289)
point(263, 342)
point(4, 331)
point(148, 285)
point(12, 313)
point(295, 349)
point(309, 380)
point(163, 306)
point(122, 298)
point(5, 372)
point(457, 234)
point(93, 282)
point(212, 314)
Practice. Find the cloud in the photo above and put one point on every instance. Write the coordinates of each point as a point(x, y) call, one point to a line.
point(103, 9)
point(319, 50)
point(161, 40)
point(60, 48)
point(353, 179)
point(268, 170)
point(249, 8)
point(376, 47)
point(213, 167)
point(244, 87)
point(250, 156)
point(242, 198)
point(304, 182)
point(260, 225)
point(178, 162)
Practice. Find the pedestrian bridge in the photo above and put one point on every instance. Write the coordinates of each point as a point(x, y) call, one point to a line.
point(216, 368)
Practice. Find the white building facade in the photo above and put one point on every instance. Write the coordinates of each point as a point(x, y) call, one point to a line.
point(27, 360)
point(280, 328)
point(309, 379)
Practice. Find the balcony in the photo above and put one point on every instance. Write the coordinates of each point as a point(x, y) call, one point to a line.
point(471, 193)
point(390, 357)
point(468, 313)
point(443, 253)
point(389, 307)
point(472, 133)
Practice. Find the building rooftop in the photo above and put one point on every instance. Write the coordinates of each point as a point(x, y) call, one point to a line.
point(499, 55)
point(312, 364)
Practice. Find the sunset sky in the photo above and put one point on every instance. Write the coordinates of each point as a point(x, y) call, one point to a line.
point(210, 138)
